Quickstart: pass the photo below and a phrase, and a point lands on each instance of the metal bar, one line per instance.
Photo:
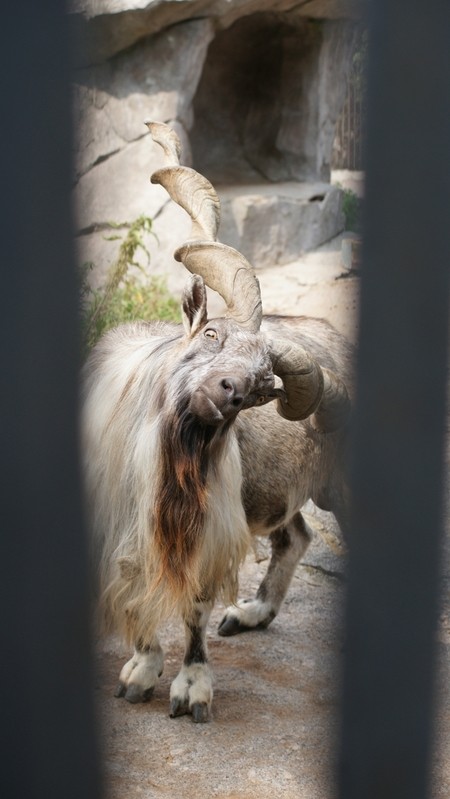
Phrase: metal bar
(397, 468)
(46, 719)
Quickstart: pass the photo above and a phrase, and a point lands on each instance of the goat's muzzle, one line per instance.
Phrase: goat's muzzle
(219, 399)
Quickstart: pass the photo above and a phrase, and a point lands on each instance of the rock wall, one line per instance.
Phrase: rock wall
(253, 87)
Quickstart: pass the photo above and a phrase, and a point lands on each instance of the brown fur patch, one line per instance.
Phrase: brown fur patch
(181, 500)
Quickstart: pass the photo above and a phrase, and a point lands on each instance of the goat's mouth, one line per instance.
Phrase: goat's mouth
(215, 408)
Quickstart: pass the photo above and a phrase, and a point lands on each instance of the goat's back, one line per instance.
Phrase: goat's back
(286, 463)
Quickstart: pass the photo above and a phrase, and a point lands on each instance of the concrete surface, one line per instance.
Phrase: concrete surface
(276, 704)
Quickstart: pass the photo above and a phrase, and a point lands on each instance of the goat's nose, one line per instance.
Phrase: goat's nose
(234, 396)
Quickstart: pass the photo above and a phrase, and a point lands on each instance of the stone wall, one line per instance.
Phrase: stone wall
(254, 89)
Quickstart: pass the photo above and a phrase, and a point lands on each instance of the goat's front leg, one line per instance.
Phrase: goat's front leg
(289, 544)
(191, 691)
(140, 674)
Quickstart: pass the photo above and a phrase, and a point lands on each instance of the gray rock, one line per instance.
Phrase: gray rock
(351, 251)
(107, 27)
(156, 80)
(253, 88)
(275, 223)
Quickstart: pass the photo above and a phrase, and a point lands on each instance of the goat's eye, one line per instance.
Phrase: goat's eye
(210, 333)
(261, 400)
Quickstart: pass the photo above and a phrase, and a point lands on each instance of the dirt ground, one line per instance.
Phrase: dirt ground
(276, 700)
(275, 705)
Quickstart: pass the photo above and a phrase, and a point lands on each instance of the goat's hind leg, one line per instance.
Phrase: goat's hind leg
(191, 691)
(289, 544)
(141, 673)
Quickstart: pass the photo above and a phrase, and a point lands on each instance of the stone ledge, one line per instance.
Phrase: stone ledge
(104, 28)
(275, 223)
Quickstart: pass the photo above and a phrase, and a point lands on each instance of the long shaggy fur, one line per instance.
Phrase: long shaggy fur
(168, 518)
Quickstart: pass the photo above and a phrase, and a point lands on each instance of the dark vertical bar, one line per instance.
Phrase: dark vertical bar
(351, 122)
(348, 144)
(397, 469)
(46, 719)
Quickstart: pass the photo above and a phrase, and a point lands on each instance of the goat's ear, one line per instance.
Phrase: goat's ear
(193, 305)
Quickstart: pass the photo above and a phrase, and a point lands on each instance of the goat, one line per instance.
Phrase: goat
(194, 441)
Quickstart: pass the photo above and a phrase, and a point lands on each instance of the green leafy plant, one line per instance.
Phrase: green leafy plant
(352, 208)
(124, 298)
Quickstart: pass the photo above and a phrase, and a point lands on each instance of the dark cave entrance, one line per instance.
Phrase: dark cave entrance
(262, 100)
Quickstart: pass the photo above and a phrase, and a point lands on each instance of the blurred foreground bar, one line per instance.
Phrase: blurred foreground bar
(46, 722)
(398, 453)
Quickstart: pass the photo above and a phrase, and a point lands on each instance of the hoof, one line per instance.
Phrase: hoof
(191, 692)
(177, 708)
(133, 693)
(230, 625)
(249, 614)
(200, 712)
(139, 675)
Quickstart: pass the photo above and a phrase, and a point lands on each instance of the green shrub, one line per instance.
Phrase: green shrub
(352, 208)
(123, 298)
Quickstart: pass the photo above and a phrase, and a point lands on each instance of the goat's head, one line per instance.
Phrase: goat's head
(235, 364)
(222, 368)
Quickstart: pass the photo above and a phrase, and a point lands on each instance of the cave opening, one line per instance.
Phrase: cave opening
(257, 105)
